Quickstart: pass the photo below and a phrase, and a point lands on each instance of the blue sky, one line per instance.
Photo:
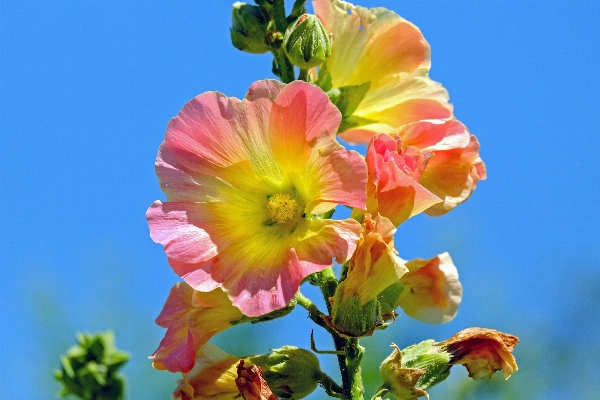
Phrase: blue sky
(86, 91)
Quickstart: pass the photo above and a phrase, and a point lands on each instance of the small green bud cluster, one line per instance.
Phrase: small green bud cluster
(89, 369)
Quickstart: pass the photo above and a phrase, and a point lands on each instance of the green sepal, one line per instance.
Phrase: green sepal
(424, 356)
(388, 300)
(347, 100)
(350, 319)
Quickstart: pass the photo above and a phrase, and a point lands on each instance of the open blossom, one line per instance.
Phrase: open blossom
(432, 291)
(243, 180)
(482, 351)
(379, 48)
(394, 171)
(455, 168)
(191, 319)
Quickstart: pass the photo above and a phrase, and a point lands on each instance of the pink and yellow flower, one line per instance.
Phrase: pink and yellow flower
(379, 47)
(455, 168)
(393, 188)
(244, 181)
(191, 319)
(432, 291)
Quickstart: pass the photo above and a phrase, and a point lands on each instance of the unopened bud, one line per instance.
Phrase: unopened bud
(306, 42)
(249, 28)
(291, 372)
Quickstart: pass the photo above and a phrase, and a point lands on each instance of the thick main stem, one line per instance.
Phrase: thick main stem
(350, 351)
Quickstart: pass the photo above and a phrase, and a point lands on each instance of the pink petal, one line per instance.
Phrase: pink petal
(177, 227)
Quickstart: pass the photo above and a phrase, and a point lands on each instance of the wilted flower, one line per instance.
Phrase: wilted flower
(244, 181)
(251, 384)
(380, 62)
(393, 188)
(482, 351)
(191, 319)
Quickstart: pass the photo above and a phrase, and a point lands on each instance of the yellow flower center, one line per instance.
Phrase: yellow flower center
(281, 208)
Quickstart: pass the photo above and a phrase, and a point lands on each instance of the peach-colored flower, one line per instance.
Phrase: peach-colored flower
(379, 48)
(393, 188)
(213, 376)
(455, 168)
(482, 351)
(374, 266)
(191, 318)
(432, 291)
(244, 180)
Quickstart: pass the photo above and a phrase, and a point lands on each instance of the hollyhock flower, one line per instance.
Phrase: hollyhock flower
(213, 376)
(482, 351)
(191, 319)
(430, 291)
(455, 168)
(244, 181)
(393, 188)
(387, 60)
(374, 266)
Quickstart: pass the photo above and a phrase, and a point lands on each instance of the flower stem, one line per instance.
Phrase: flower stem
(349, 352)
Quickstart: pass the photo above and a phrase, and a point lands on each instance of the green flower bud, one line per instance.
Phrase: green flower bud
(291, 372)
(350, 319)
(249, 28)
(306, 42)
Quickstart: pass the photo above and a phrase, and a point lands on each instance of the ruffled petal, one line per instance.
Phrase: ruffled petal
(191, 319)
(393, 189)
(432, 291)
(364, 38)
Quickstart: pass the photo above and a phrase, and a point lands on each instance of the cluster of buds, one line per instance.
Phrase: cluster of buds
(89, 370)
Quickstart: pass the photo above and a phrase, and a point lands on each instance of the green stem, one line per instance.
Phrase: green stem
(350, 353)
(303, 75)
(284, 68)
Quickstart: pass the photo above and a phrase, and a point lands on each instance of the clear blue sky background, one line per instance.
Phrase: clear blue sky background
(86, 91)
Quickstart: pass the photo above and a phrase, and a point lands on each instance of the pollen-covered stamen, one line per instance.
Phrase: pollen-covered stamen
(281, 208)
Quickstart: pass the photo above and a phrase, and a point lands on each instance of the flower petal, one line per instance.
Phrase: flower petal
(191, 319)
(432, 291)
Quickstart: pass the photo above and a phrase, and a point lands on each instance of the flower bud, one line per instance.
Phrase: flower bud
(408, 373)
(291, 372)
(306, 42)
(249, 28)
